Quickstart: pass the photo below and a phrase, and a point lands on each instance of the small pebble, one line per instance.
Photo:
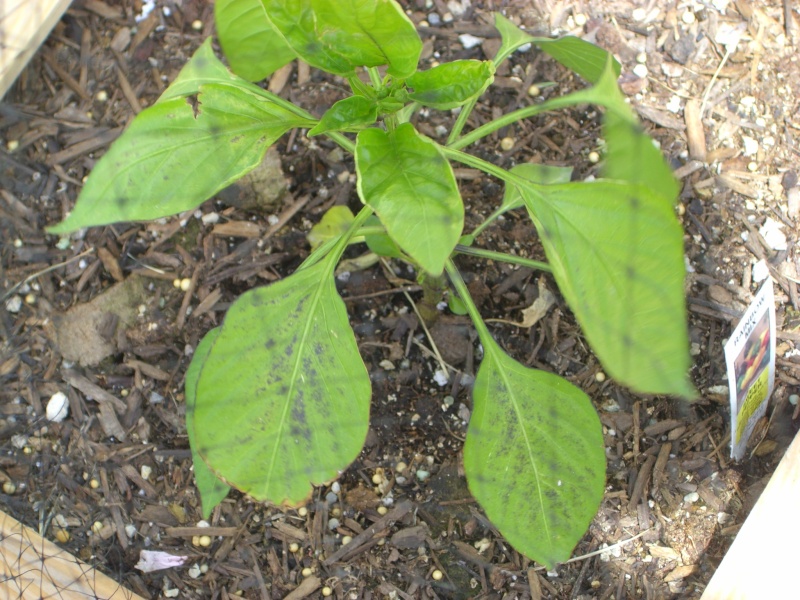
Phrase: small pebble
(580, 19)
(507, 143)
(101, 96)
(469, 41)
(600, 377)
(534, 90)
(691, 497)
(14, 304)
(752, 166)
(197, 25)
(346, 540)
(793, 399)
(94, 484)
(641, 58)
(12, 145)
(593, 157)
(640, 71)
(688, 17)
(639, 14)
(57, 407)
(400, 467)
(97, 527)
(434, 19)
(333, 523)
(302, 511)
(422, 475)
(62, 535)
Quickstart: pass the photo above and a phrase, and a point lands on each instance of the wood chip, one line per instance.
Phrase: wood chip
(695, 133)
(244, 229)
(308, 586)
(664, 552)
(110, 263)
(679, 573)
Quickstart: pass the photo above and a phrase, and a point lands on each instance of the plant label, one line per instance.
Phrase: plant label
(750, 358)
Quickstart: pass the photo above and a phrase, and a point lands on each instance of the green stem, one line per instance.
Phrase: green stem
(337, 245)
(461, 120)
(463, 293)
(375, 78)
(503, 257)
(512, 117)
(339, 138)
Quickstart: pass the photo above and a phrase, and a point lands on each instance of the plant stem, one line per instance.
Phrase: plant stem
(463, 293)
(503, 257)
(512, 117)
(461, 120)
(375, 78)
(337, 245)
(433, 287)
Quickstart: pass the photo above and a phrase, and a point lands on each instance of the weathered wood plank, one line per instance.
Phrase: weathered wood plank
(24, 25)
(762, 562)
(32, 568)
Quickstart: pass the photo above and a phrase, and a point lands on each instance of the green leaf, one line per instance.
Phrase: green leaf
(283, 397)
(351, 114)
(405, 179)
(534, 456)
(616, 250)
(335, 221)
(212, 490)
(586, 59)
(512, 38)
(535, 173)
(380, 243)
(339, 35)
(204, 68)
(170, 159)
(251, 46)
(451, 84)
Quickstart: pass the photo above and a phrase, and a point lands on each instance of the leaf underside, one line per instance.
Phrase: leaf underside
(283, 397)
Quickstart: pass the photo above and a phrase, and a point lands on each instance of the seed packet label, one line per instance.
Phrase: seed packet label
(750, 357)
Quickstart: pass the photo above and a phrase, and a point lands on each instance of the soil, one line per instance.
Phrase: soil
(99, 319)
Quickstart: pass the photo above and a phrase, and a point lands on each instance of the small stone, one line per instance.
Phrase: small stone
(434, 19)
(346, 540)
(534, 90)
(580, 19)
(593, 157)
(794, 399)
(691, 497)
(333, 523)
(600, 377)
(302, 511)
(640, 71)
(197, 25)
(470, 41)
(94, 484)
(12, 145)
(639, 14)
(422, 475)
(641, 58)
(400, 467)
(57, 407)
(386, 365)
(688, 17)
(97, 527)
(752, 166)
(101, 96)
(507, 143)
(14, 304)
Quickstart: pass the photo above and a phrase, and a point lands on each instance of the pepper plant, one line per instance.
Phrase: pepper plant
(278, 398)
